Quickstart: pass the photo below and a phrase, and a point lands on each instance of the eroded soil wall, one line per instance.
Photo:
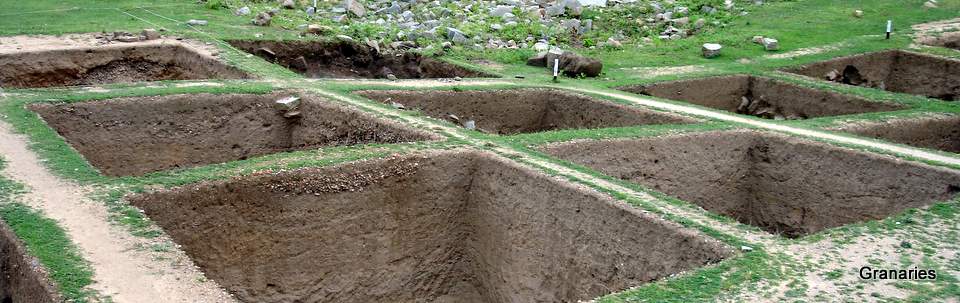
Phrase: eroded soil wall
(761, 97)
(350, 60)
(438, 227)
(105, 65)
(784, 185)
(132, 136)
(941, 132)
(896, 71)
(22, 279)
(524, 110)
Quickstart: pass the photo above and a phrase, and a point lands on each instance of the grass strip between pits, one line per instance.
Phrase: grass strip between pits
(48, 242)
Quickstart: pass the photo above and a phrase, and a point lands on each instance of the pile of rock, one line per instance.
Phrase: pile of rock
(761, 108)
(439, 21)
(570, 63)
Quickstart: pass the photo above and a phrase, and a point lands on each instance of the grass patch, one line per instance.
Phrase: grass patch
(48, 242)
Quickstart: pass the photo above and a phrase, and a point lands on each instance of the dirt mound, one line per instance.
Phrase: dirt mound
(523, 110)
(104, 65)
(761, 97)
(133, 136)
(894, 70)
(350, 60)
(22, 279)
(781, 184)
(941, 132)
(439, 227)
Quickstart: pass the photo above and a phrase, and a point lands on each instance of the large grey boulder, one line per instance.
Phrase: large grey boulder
(355, 7)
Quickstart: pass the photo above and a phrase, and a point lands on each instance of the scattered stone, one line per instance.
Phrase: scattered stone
(391, 77)
(711, 50)
(744, 104)
(317, 29)
(858, 13)
(832, 75)
(771, 44)
(614, 43)
(555, 10)
(355, 7)
(470, 124)
(288, 104)
(150, 34)
(930, 4)
(571, 25)
(196, 22)
(243, 11)
(397, 105)
(125, 37)
(453, 118)
(700, 23)
(500, 10)
(456, 36)
(681, 21)
(288, 4)
(345, 38)
(597, 3)
(300, 63)
(746, 248)
(373, 44)
(757, 39)
(262, 19)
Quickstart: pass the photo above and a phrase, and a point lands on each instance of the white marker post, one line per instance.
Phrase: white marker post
(556, 69)
(889, 28)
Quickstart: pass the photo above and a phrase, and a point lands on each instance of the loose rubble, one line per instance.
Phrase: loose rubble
(484, 24)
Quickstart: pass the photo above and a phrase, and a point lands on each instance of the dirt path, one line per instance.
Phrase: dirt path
(120, 269)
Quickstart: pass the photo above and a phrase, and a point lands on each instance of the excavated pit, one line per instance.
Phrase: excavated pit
(946, 39)
(939, 132)
(782, 184)
(22, 279)
(454, 226)
(761, 97)
(894, 70)
(517, 111)
(134, 136)
(110, 64)
(350, 60)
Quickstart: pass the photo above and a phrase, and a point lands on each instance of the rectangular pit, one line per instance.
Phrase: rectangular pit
(134, 136)
(760, 97)
(517, 111)
(938, 132)
(893, 70)
(22, 279)
(110, 64)
(782, 184)
(449, 226)
(315, 59)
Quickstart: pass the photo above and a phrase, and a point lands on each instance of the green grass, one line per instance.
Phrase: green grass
(48, 242)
